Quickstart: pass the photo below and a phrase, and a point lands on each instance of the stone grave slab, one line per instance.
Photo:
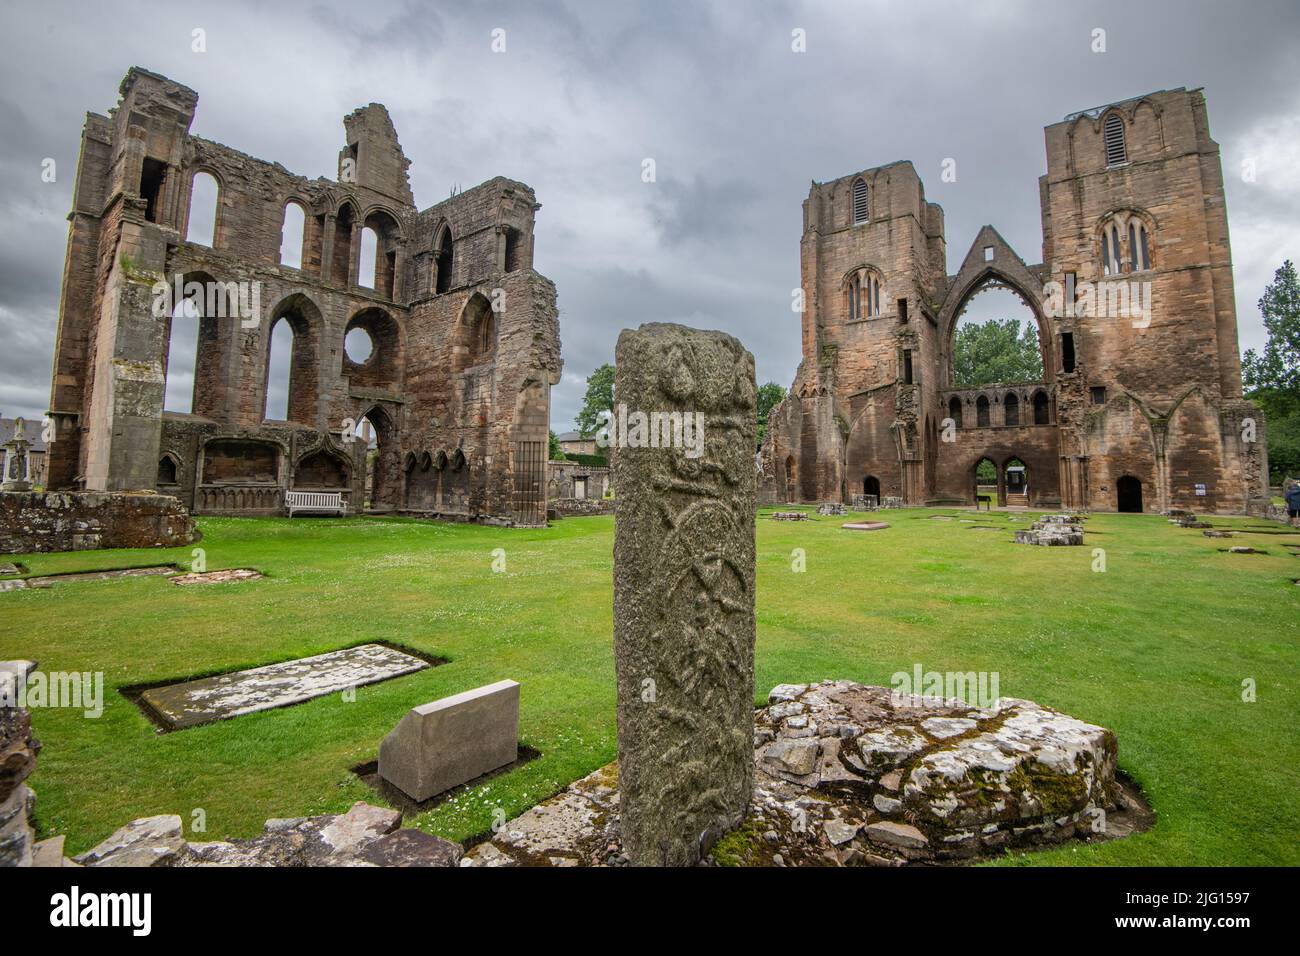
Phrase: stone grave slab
(202, 701)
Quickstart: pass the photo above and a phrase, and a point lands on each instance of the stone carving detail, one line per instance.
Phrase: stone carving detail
(684, 595)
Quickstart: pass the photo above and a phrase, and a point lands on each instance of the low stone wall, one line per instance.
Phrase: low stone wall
(80, 521)
(574, 507)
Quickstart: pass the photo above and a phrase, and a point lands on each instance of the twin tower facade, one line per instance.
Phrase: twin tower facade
(1140, 405)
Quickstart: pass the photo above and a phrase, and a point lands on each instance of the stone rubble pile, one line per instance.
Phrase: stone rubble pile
(831, 508)
(847, 774)
(1052, 530)
(363, 836)
(789, 516)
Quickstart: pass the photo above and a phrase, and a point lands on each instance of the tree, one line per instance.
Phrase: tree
(555, 452)
(769, 396)
(599, 398)
(998, 350)
(1272, 377)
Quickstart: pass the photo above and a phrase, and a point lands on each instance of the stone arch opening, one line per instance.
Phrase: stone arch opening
(443, 263)
(381, 366)
(1042, 408)
(291, 382)
(1011, 409)
(954, 411)
(168, 470)
(322, 470)
(196, 346)
(982, 419)
(1015, 483)
(871, 488)
(1003, 299)
(1128, 495)
(378, 267)
(341, 267)
(293, 231)
(986, 481)
(205, 203)
(382, 487)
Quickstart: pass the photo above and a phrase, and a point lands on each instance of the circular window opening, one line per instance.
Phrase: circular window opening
(358, 346)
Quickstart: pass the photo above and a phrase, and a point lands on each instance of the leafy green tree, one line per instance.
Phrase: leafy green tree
(599, 398)
(998, 350)
(769, 396)
(1272, 377)
(556, 453)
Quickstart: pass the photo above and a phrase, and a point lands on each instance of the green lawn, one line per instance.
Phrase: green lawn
(1156, 647)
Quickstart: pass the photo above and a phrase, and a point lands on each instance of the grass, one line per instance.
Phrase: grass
(1157, 648)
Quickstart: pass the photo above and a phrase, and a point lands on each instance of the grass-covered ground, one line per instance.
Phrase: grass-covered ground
(1156, 647)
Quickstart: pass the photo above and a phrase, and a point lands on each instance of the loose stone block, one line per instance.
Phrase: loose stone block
(684, 595)
(451, 741)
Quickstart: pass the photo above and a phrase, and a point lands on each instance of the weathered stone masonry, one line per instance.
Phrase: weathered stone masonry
(465, 333)
(1129, 416)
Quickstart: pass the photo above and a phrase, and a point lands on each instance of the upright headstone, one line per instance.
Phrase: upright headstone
(684, 433)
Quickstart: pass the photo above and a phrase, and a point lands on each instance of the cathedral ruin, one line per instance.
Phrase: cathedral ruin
(447, 415)
(1140, 405)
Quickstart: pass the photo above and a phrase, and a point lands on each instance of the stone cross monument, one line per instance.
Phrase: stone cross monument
(683, 436)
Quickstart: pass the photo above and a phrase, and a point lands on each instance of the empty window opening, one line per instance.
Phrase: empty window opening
(167, 470)
(1098, 393)
(907, 366)
(860, 208)
(954, 410)
(902, 310)
(182, 358)
(982, 412)
(988, 253)
(153, 172)
(342, 246)
(995, 340)
(358, 345)
(1067, 351)
(369, 253)
(1113, 134)
(1042, 408)
(291, 235)
(512, 253)
(279, 368)
(443, 263)
(1011, 409)
(204, 194)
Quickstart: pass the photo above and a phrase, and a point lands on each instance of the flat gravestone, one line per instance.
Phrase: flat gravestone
(447, 742)
(684, 592)
(276, 685)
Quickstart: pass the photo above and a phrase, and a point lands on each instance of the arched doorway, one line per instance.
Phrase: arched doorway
(382, 485)
(871, 487)
(1016, 483)
(1128, 492)
(986, 482)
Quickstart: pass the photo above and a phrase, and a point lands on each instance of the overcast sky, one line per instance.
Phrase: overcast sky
(736, 121)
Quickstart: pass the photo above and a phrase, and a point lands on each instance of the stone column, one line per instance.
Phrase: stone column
(683, 590)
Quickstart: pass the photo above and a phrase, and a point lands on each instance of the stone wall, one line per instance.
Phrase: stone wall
(465, 334)
(65, 521)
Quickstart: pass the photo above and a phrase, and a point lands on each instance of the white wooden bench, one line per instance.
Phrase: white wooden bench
(317, 502)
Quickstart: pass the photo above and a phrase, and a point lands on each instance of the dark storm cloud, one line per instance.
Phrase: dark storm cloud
(736, 122)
